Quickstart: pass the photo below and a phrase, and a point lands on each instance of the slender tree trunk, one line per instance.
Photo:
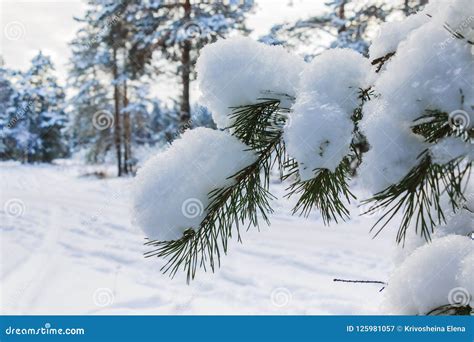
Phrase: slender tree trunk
(186, 70)
(117, 123)
(127, 133)
(342, 15)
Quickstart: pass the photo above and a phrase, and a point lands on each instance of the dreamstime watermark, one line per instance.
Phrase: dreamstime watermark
(103, 297)
(459, 120)
(192, 208)
(182, 128)
(14, 207)
(191, 30)
(14, 30)
(368, 210)
(460, 203)
(109, 22)
(46, 330)
(459, 296)
(102, 119)
(100, 210)
(458, 32)
(281, 297)
(20, 114)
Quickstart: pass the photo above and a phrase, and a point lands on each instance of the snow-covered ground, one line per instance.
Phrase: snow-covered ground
(68, 247)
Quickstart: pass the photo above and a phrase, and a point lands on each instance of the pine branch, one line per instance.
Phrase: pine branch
(418, 193)
(259, 126)
(451, 310)
(325, 191)
(360, 281)
(328, 191)
(262, 123)
(382, 60)
(435, 125)
(359, 144)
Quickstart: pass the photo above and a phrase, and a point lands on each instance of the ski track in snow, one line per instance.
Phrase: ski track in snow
(74, 251)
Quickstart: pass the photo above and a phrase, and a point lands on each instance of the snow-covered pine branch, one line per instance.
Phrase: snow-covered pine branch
(412, 108)
(424, 101)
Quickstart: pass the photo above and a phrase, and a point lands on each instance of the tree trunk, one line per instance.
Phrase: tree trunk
(186, 71)
(127, 133)
(342, 15)
(117, 123)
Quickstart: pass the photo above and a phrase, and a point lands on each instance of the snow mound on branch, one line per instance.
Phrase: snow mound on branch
(429, 71)
(238, 71)
(451, 148)
(466, 276)
(429, 277)
(469, 195)
(320, 128)
(335, 77)
(319, 136)
(394, 149)
(171, 189)
(392, 33)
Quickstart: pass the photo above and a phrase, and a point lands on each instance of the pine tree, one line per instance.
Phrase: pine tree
(91, 105)
(179, 29)
(37, 117)
(6, 93)
(347, 24)
(102, 45)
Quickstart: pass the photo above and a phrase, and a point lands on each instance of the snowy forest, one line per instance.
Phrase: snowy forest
(319, 167)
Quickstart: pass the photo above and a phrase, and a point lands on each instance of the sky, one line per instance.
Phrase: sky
(31, 25)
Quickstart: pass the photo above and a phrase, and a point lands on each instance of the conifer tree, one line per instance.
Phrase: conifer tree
(102, 46)
(6, 93)
(179, 29)
(346, 24)
(37, 117)
(91, 104)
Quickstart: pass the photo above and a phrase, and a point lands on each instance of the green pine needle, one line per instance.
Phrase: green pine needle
(326, 191)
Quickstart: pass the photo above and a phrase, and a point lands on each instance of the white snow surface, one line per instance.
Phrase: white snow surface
(390, 34)
(466, 277)
(429, 277)
(70, 248)
(334, 77)
(238, 71)
(171, 189)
